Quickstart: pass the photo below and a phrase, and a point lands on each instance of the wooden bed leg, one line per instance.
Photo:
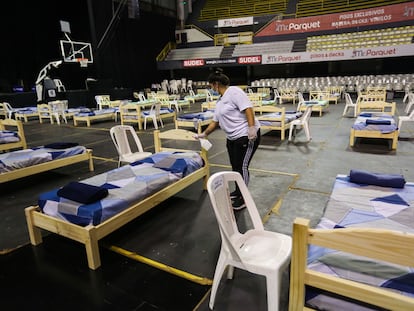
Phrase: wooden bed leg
(298, 264)
(91, 167)
(92, 251)
(34, 232)
(351, 138)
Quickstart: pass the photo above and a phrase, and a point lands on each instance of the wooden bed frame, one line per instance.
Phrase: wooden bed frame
(13, 125)
(388, 108)
(89, 119)
(386, 245)
(90, 235)
(47, 166)
(190, 123)
(131, 113)
(282, 119)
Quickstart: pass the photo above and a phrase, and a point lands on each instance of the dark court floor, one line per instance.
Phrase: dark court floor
(165, 259)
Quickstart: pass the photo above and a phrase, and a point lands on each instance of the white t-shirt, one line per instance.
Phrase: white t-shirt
(229, 113)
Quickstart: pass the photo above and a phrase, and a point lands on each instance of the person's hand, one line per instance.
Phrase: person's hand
(198, 136)
(252, 133)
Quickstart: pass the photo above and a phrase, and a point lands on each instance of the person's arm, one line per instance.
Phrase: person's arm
(210, 128)
(251, 132)
(249, 116)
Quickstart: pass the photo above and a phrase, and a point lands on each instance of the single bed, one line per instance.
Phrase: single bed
(375, 125)
(276, 118)
(131, 204)
(195, 120)
(11, 135)
(21, 163)
(362, 248)
(26, 113)
(318, 105)
(96, 115)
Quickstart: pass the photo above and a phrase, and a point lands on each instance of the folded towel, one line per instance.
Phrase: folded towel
(365, 114)
(378, 121)
(383, 180)
(61, 145)
(82, 193)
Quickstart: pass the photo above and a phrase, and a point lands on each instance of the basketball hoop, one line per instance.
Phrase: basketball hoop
(83, 62)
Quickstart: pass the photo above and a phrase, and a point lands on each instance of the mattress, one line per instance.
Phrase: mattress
(27, 157)
(363, 205)
(126, 185)
(289, 117)
(8, 137)
(380, 122)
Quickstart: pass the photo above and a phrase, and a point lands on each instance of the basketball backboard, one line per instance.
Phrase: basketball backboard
(75, 51)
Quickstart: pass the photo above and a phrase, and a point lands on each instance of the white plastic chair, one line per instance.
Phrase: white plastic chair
(256, 250)
(303, 121)
(6, 110)
(121, 136)
(154, 114)
(401, 119)
(103, 101)
(410, 102)
(277, 97)
(59, 85)
(349, 104)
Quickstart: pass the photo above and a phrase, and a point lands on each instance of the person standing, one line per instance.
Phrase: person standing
(235, 116)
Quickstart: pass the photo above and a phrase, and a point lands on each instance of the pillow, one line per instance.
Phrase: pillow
(383, 180)
(377, 121)
(82, 193)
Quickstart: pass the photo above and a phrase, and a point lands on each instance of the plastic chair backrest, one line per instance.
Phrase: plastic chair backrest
(219, 192)
(254, 249)
(306, 115)
(121, 136)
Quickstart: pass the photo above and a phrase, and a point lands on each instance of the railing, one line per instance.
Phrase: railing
(163, 54)
(234, 38)
(306, 8)
(214, 10)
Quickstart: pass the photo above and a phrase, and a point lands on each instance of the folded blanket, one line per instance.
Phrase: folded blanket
(383, 180)
(82, 193)
(61, 145)
(377, 121)
(365, 114)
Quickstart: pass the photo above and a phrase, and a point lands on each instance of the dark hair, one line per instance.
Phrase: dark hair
(218, 76)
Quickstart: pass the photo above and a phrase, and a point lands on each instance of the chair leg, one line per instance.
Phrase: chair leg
(307, 132)
(290, 132)
(162, 123)
(218, 274)
(154, 120)
(145, 123)
(273, 292)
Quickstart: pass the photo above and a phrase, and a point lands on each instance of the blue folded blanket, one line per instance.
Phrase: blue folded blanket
(61, 145)
(82, 193)
(383, 180)
(378, 121)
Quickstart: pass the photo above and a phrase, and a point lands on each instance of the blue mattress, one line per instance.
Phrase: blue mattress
(371, 206)
(8, 137)
(289, 117)
(126, 186)
(27, 157)
(383, 123)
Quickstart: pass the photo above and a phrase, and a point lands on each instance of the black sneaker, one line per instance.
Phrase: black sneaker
(238, 204)
(233, 194)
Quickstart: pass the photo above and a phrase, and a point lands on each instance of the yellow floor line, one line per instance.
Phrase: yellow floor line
(257, 170)
(161, 266)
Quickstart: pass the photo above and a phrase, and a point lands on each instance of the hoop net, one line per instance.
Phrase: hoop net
(83, 62)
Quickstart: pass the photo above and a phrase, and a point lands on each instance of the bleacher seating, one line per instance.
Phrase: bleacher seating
(370, 38)
(391, 82)
(263, 48)
(222, 9)
(305, 8)
(194, 53)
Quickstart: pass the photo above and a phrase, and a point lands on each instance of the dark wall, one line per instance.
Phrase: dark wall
(30, 33)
